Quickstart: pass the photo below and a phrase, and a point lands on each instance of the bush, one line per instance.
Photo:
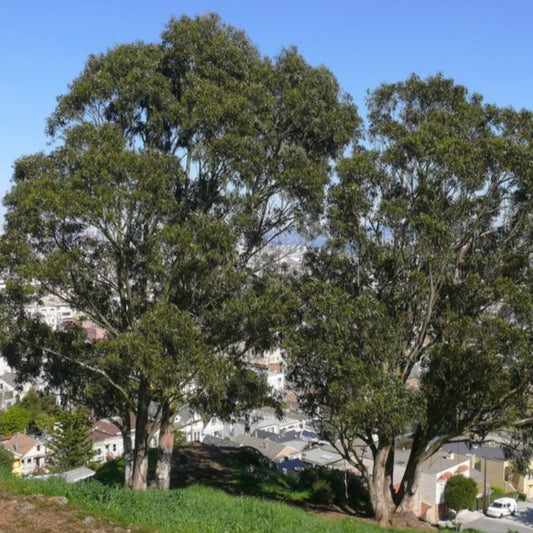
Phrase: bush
(6, 459)
(496, 492)
(15, 419)
(322, 492)
(460, 493)
(347, 488)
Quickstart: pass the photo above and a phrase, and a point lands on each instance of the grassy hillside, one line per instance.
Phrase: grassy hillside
(192, 509)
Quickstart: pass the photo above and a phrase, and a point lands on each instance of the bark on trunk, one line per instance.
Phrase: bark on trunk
(379, 487)
(140, 463)
(140, 470)
(125, 429)
(409, 483)
(166, 446)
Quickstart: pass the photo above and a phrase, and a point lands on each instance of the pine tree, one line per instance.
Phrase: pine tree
(70, 441)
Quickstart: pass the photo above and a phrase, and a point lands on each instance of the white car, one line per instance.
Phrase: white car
(502, 507)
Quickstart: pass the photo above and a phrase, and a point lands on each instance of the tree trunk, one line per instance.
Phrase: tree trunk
(125, 429)
(140, 463)
(166, 446)
(409, 483)
(379, 487)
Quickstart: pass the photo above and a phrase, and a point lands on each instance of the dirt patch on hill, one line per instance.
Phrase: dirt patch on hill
(39, 514)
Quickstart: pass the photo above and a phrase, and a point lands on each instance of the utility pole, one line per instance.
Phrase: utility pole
(485, 485)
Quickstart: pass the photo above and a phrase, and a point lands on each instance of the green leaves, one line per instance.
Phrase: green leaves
(69, 442)
(417, 310)
(173, 165)
(15, 420)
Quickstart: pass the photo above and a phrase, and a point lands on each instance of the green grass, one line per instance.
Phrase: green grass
(192, 509)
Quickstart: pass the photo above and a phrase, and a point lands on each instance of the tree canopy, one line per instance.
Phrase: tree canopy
(417, 312)
(173, 165)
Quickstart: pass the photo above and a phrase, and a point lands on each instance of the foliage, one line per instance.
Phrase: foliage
(322, 492)
(6, 459)
(15, 419)
(173, 166)
(346, 488)
(42, 407)
(496, 492)
(196, 508)
(425, 278)
(69, 441)
(43, 422)
(460, 493)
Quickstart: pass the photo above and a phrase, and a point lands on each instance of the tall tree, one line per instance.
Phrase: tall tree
(69, 441)
(426, 273)
(174, 164)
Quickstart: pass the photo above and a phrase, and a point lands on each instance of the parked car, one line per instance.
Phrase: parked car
(502, 507)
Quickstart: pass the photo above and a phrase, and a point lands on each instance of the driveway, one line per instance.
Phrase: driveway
(522, 521)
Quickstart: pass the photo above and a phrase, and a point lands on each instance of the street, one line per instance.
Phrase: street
(522, 521)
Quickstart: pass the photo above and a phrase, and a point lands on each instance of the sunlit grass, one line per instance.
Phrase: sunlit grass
(192, 509)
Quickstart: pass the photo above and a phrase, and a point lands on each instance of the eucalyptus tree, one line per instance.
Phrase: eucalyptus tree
(172, 165)
(417, 313)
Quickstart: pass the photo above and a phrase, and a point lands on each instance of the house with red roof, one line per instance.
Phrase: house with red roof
(107, 441)
(434, 474)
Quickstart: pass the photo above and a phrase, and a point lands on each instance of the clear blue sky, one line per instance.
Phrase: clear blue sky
(486, 45)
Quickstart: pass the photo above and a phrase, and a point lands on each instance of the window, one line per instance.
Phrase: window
(114, 447)
(38, 447)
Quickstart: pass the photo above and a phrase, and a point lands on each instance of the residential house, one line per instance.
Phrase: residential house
(4, 365)
(108, 443)
(266, 419)
(52, 310)
(488, 464)
(93, 331)
(277, 452)
(267, 361)
(10, 391)
(325, 456)
(194, 428)
(524, 484)
(434, 473)
(29, 453)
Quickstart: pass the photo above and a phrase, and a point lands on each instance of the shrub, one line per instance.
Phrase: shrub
(6, 459)
(322, 492)
(15, 419)
(497, 492)
(348, 489)
(460, 493)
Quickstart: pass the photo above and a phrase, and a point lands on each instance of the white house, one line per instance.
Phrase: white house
(194, 428)
(107, 441)
(29, 453)
(52, 309)
(10, 392)
(434, 474)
